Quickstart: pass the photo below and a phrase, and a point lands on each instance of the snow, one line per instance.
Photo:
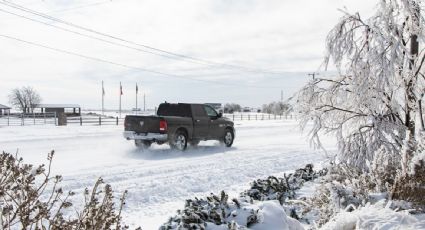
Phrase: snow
(377, 216)
(275, 218)
(159, 180)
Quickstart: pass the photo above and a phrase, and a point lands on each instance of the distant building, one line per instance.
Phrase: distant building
(246, 109)
(4, 110)
(68, 109)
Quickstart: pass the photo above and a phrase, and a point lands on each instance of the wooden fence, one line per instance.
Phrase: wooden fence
(99, 120)
(20, 119)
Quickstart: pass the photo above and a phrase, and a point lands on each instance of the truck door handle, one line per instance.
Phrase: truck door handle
(198, 120)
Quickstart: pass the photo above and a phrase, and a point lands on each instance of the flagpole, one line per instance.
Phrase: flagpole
(120, 97)
(137, 90)
(103, 99)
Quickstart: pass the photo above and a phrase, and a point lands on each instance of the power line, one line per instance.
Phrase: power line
(181, 56)
(125, 65)
(84, 35)
(106, 41)
(81, 6)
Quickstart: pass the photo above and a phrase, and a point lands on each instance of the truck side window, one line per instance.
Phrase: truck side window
(210, 111)
(198, 111)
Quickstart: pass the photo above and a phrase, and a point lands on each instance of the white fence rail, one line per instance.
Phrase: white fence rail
(20, 119)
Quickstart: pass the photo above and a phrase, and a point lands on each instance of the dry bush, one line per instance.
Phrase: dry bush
(341, 189)
(411, 187)
(30, 198)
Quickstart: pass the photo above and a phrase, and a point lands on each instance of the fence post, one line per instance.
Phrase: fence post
(241, 117)
(33, 116)
(100, 120)
(8, 117)
(81, 121)
(56, 119)
(269, 116)
(256, 117)
(233, 117)
(44, 115)
(23, 120)
(262, 116)
(275, 116)
(249, 118)
(117, 120)
(280, 117)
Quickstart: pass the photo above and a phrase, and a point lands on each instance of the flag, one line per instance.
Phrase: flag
(120, 89)
(137, 89)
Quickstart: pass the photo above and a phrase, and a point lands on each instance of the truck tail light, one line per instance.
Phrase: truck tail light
(163, 126)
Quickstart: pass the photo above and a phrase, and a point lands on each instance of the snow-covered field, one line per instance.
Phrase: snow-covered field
(159, 180)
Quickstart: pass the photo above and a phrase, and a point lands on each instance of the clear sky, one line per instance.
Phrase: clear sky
(250, 50)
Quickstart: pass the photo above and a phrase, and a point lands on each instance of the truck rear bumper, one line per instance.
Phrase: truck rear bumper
(131, 135)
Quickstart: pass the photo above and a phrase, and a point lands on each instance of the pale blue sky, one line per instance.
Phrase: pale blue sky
(281, 36)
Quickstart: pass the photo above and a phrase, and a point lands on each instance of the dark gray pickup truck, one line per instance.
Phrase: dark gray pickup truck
(179, 124)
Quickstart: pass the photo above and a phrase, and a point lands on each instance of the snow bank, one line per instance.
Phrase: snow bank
(273, 217)
(377, 216)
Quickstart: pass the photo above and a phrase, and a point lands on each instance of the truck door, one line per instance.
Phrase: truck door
(200, 122)
(215, 130)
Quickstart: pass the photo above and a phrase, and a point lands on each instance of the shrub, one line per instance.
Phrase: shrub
(30, 198)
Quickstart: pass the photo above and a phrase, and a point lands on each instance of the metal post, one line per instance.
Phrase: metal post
(23, 120)
(241, 117)
(117, 120)
(249, 118)
(44, 115)
(33, 116)
(56, 119)
(81, 121)
(275, 116)
(233, 117)
(269, 116)
(100, 121)
(8, 117)
(256, 116)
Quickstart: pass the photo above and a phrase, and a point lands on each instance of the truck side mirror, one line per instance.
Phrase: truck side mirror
(220, 114)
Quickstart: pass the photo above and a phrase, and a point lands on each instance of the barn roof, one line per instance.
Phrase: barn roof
(4, 107)
(56, 106)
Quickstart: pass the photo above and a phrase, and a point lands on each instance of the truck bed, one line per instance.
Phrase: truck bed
(142, 124)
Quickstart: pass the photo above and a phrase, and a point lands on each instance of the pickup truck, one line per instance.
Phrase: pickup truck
(178, 125)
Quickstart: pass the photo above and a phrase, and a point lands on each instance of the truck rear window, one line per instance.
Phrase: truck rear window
(178, 110)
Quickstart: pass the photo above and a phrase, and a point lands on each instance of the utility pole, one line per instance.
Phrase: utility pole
(313, 75)
(120, 98)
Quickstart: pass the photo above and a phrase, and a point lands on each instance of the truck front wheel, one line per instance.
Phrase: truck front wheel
(180, 141)
(228, 137)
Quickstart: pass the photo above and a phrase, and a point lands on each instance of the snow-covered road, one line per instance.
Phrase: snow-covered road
(159, 180)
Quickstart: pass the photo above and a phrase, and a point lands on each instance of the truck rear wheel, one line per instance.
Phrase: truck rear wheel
(180, 141)
(228, 138)
(142, 144)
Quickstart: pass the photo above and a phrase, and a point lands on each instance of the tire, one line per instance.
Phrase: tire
(142, 144)
(194, 142)
(228, 138)
(179, 141)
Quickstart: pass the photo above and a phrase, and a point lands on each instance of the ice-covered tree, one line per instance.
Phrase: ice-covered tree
(373, 103)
